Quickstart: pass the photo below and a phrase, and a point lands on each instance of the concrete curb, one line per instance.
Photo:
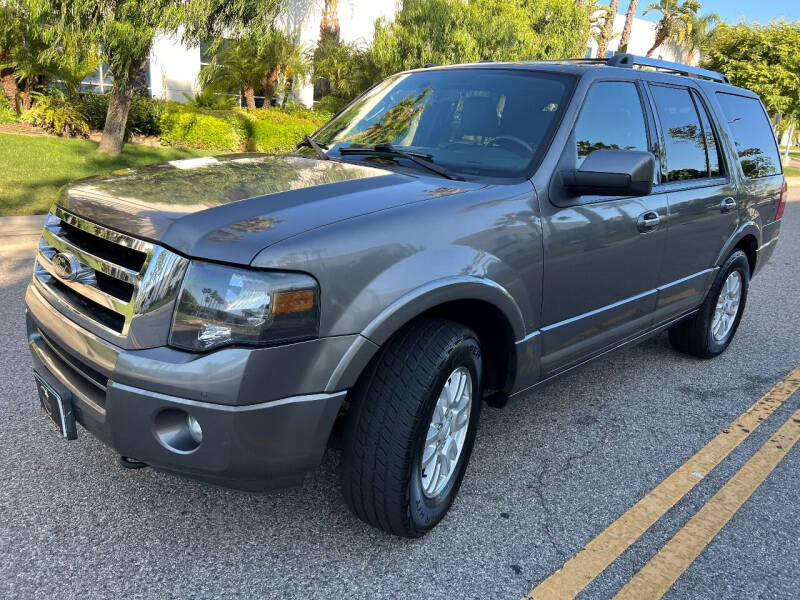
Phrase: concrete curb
(25, 225)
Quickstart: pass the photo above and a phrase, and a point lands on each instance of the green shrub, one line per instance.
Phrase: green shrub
(7, 114)
(144, 117)
(57, 114)
(329, 105)
(187, 126)
(259, 130)
(208, 98)
(276, 130)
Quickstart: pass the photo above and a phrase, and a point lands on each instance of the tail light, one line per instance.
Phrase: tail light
(782, 201)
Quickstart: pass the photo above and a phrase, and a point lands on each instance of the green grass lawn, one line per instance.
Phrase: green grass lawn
(33, 169)
(791, 171)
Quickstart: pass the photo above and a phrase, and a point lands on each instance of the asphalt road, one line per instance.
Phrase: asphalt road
(547, 475)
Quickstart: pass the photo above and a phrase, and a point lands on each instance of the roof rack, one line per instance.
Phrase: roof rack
(631, 60)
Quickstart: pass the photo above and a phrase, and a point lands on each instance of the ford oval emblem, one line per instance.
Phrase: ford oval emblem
(66, 266)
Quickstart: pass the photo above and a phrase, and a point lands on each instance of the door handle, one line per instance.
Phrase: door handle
(727, 205)
(648, 221)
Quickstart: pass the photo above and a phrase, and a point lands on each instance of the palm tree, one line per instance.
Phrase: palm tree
(329, 24)
(674, 22)
(235, 66)
(700, 34)
(606, 30)
(284, 57)
(626, 31)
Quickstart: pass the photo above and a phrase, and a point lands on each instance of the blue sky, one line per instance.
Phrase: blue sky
(732, 11)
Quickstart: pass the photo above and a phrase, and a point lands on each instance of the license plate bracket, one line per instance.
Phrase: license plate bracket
(57, 407)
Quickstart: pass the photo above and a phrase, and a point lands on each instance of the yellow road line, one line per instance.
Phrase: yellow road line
(581, 569)
(658, 575)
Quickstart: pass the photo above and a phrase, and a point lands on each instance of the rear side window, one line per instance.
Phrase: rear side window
(611, 119)
(683, 133)
(752, 134)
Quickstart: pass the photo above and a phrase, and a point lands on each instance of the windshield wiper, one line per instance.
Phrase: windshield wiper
(318, 148)
(423, 160)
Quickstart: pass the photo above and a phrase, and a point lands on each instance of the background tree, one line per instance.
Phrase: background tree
(626, 30)
(603, 26)
(765, 59)
(699, 35)
(234, 66)
(38, 45)
(283, 58)
(451, 31)
(674, 22)
(125, 29)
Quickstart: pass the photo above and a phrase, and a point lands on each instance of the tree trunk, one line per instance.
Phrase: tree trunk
(329, 24)
(660, 38)
(607, 30)
(789, 135)
(626, 31)
(27, 99)
(270, 83)
(119, 103)
(10, 87)
(249, 95)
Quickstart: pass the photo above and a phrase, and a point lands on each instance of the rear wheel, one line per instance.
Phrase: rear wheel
(411, 427)
(710, 331)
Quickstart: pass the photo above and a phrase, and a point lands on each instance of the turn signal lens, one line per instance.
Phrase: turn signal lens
(293, 302)
(782, 201)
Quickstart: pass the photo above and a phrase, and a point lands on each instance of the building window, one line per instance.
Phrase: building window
(99, 81)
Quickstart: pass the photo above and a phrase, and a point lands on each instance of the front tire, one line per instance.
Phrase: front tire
(411, 427)
(710, 331)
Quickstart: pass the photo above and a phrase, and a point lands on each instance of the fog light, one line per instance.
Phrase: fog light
(177, 431)
(194, 429)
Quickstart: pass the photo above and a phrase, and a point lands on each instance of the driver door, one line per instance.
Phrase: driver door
(602, 255)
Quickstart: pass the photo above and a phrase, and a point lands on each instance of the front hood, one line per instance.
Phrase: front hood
(230, 208)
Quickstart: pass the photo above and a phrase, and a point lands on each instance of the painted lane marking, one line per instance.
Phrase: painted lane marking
(658, 575)
(585, 566)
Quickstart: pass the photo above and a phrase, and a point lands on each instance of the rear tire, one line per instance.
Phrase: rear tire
(392, 425)
(702, 335)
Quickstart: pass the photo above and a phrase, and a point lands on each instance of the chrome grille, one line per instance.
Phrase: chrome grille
(123, 286)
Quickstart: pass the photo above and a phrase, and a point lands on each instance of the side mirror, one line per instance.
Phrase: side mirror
(612, 173)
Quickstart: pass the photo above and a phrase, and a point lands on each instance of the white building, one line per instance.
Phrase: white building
(174, 67)
(643, 35)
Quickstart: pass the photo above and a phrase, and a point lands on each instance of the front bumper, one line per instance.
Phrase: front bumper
(251, 439)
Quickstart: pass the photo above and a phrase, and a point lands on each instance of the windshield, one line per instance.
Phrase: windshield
(483, 122)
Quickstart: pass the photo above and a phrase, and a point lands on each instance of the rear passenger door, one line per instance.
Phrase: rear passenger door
(701, 193)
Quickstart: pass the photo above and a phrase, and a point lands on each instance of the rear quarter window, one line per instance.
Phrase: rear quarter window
(752, 134)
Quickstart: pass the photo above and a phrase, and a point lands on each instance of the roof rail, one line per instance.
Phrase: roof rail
(630, 60)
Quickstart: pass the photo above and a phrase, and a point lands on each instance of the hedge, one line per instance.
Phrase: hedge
(261, 130)
(144, 116)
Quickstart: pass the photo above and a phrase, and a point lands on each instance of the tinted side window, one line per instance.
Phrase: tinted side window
(712, 146)
(685, 141)
(752, 134)
(611, 119)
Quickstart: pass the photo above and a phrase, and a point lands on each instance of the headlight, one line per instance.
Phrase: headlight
(221, 305)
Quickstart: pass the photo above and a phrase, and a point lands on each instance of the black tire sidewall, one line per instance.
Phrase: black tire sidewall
(736, 262)
(426, 512)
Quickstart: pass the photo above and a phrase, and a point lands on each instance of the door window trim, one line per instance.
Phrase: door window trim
(648, 128)
(687, 184)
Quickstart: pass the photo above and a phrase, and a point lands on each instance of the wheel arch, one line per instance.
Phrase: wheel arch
(480, 304)
(747, 239)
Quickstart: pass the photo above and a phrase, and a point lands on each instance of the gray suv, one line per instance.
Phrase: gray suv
(455, 235)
